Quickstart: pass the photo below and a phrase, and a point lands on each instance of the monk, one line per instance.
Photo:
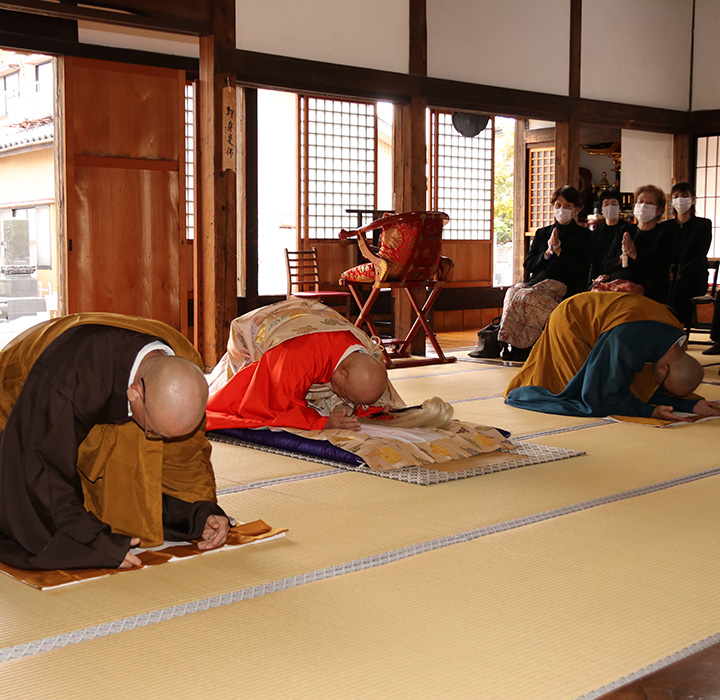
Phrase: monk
(297, 364)
(610, 353)
(102, 445)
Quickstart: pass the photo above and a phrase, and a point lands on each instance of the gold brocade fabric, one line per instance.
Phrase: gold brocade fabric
(123, 475)
(383, 447)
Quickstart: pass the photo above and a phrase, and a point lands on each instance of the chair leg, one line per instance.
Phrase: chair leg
(421, 320)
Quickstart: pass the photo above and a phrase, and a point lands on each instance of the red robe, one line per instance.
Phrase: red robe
(271, 391)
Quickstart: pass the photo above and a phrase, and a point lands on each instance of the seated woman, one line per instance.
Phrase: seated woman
(638, 254)
(688, 237)
(558, 266)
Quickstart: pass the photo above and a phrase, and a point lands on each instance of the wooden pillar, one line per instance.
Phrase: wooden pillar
(216, 246)
(519, 200)
(681, 158)
(410, 158)
(248, 204)
(567, 152)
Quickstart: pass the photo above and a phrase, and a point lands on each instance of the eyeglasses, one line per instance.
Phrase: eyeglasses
(662, 388)
(149, 434)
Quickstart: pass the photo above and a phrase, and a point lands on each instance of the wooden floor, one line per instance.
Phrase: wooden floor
(694, 678)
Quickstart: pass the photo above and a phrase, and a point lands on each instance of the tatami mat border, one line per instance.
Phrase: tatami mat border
(136, 621)
(278, 480)
(567, 429)
(478, 398)
(395, 379)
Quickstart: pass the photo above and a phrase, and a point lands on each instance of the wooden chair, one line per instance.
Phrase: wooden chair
(303, 275)
(693, 323)
(409, 259)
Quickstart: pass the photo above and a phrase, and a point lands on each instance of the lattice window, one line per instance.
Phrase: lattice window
(707, 179)
(461, 178)
(541, 185)
(190, 160)
(338, 163)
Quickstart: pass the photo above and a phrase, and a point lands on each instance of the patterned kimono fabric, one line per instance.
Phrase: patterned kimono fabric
(526, 309)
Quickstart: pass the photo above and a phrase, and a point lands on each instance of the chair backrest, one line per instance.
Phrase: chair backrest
(303, 272)
(412, 243)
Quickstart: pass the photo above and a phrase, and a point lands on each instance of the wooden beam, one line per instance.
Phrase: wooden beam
(705, 122)
(216, 248)
(184, 16)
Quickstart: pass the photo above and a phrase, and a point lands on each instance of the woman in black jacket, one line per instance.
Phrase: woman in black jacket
(557, 266)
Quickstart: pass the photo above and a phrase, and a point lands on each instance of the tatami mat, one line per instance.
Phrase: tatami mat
(549, 611)
(561, 590)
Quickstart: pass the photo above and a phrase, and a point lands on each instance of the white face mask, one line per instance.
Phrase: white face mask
(682, 204)
(611, 211)
(645, 213)
(563, 216)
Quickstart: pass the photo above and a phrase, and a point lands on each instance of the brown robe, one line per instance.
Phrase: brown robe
(77, 475)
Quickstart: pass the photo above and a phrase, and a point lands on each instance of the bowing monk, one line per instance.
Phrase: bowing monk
(297, 364)
(102, 445)
(610, 353)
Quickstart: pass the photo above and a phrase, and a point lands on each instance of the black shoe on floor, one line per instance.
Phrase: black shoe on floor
(713, 349)
(512, 354)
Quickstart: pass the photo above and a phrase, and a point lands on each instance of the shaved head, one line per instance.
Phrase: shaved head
(684, 375)
(359, 379)
(175, 395)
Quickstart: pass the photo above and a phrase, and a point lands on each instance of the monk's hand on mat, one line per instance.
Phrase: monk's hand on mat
(130, 559)
(668, 413)
(707, 408)
(340, 420)
(215, 532)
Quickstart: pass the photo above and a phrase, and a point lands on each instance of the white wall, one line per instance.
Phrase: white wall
(365, 33)
(521, 44)
(637, 51)
(646, 160)
(706, 79)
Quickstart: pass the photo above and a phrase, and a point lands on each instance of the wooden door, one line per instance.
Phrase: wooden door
(124, 189)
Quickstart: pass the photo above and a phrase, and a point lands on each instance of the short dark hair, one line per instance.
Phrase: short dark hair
(570, 194)
(682, 187)
(610, 194)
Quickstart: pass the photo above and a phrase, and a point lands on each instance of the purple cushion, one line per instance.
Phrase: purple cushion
(291, 443)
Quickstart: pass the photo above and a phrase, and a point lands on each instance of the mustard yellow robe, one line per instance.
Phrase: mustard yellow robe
(123, 475)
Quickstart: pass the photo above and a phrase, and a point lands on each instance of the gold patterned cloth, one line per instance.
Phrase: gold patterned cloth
(383, 447)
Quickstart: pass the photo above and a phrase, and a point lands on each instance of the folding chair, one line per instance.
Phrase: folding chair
(303, 274)
(693, 323)
(409, 259)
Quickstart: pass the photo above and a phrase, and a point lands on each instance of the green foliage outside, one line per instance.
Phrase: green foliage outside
(504, 169)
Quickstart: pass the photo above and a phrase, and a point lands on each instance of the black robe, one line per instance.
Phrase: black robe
(78, 381)
(689, 243)
(572, 266)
